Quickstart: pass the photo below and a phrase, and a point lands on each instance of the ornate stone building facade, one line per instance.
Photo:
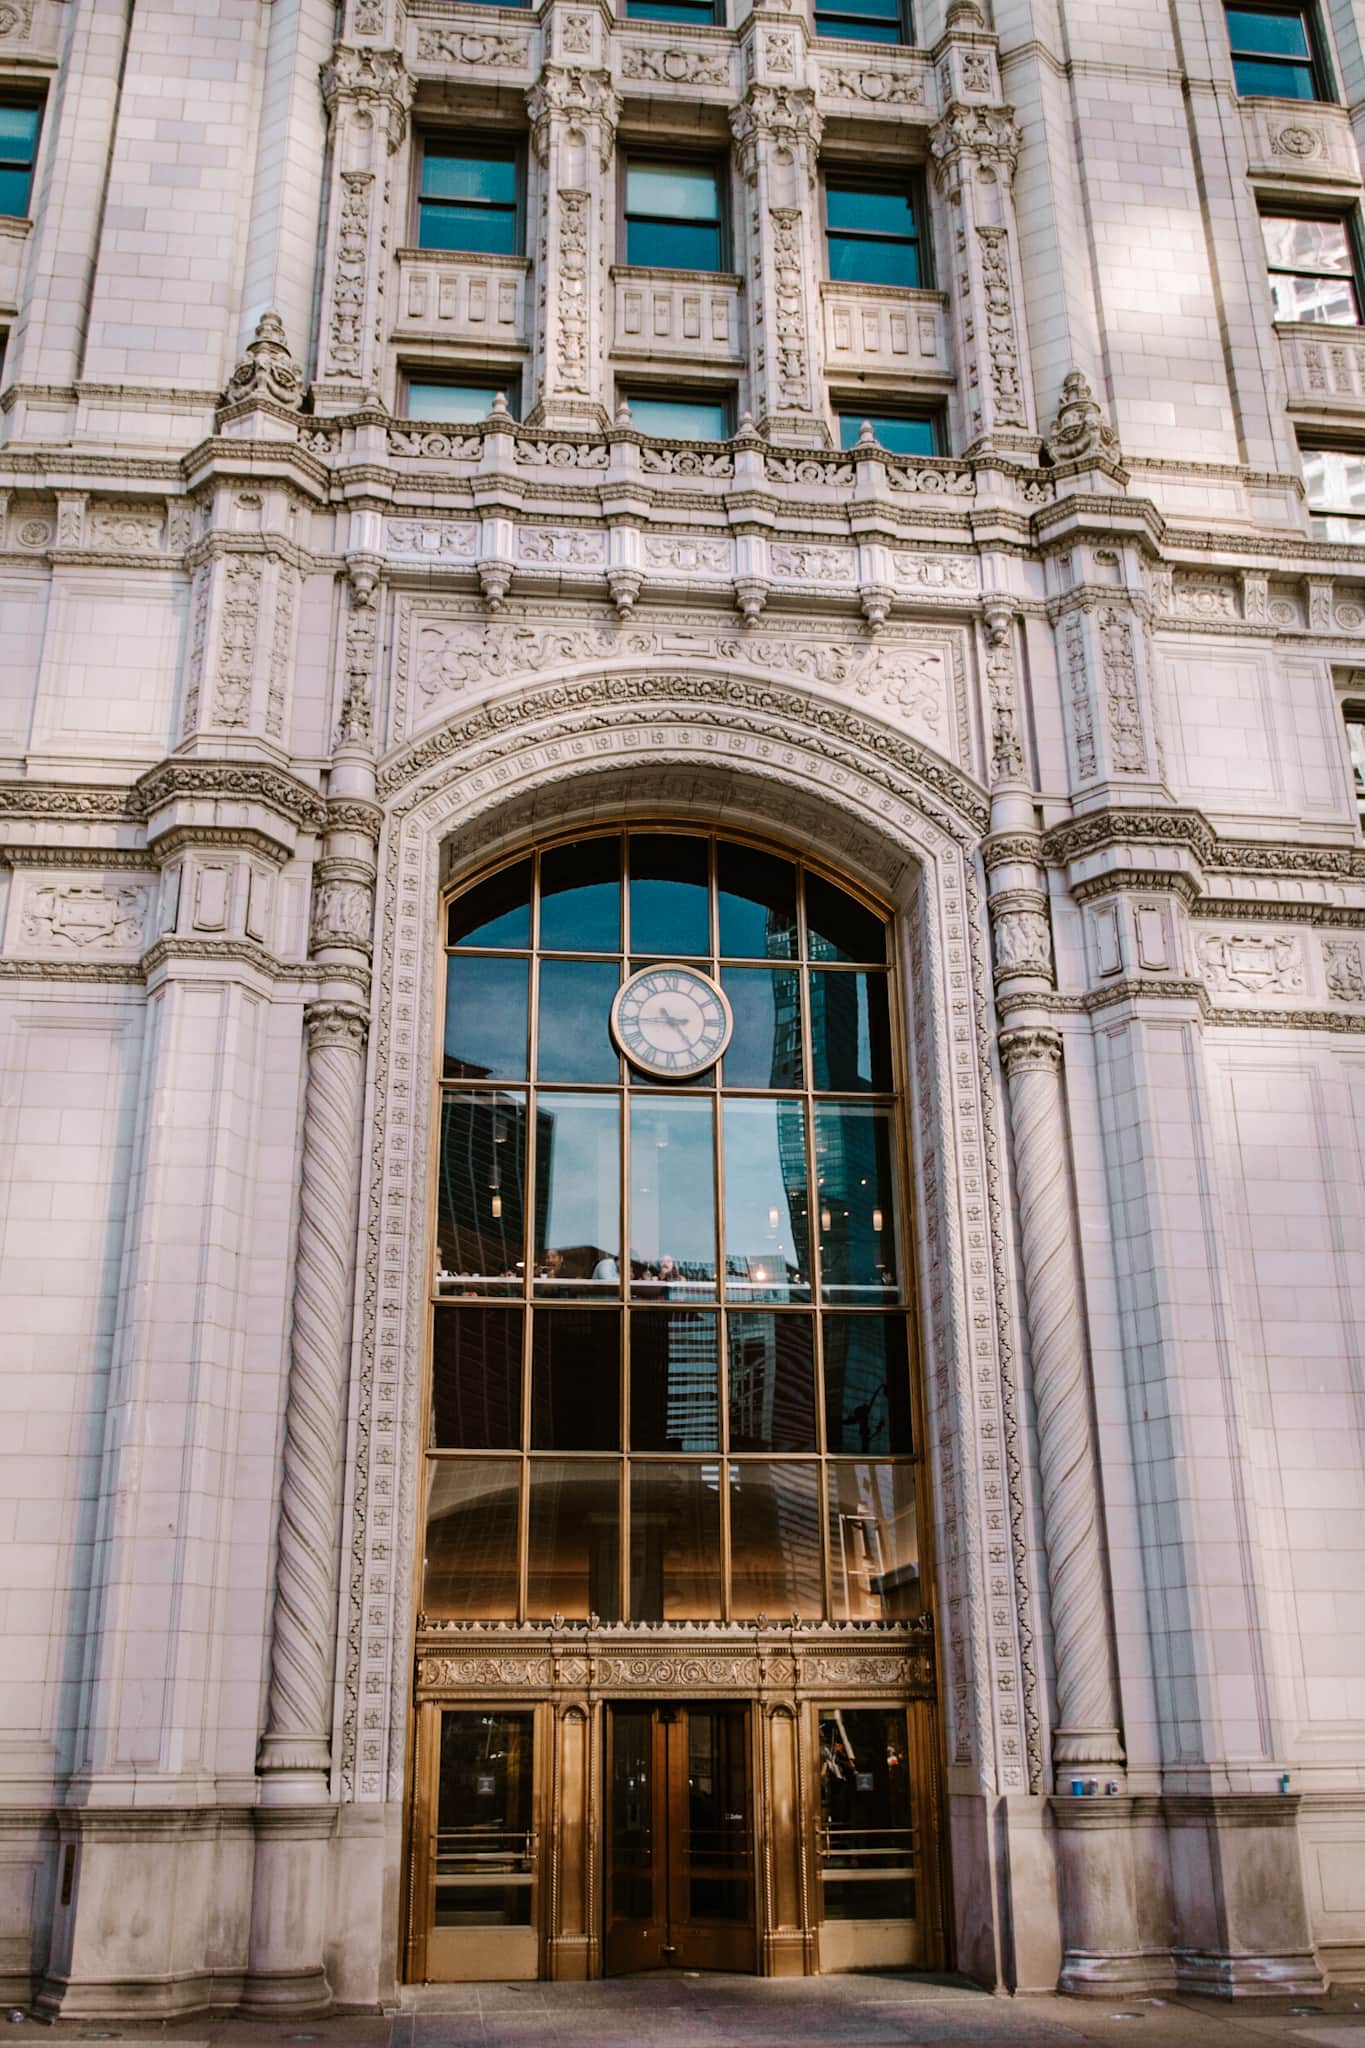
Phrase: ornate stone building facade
(433, 434)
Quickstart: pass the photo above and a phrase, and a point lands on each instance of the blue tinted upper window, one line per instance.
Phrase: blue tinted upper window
(1272, 53)
(18, 147)
(468, 200)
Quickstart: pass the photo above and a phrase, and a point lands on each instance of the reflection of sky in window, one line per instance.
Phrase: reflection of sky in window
(755, 1185)
(578, 1137)
(672, 1189)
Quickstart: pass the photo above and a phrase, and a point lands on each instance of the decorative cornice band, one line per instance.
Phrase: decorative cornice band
(1192, 830)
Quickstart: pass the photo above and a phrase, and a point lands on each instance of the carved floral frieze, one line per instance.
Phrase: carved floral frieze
(432, 540)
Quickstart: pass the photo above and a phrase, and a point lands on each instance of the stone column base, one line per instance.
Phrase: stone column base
(1102, 1950)
(286, 1974)
(1237, 1890)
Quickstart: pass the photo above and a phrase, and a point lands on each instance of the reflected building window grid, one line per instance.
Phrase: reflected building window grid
(751, 1274)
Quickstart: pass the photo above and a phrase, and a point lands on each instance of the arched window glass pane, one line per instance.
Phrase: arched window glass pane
(573, 1564)
(675, 1555)
(775, 1562)
(756, 893)
(669, 896)
(674, 1381)
(494, 913)
(867, 1384)
(856, 1206)
(672, 1198)
(476, 1380)
(765, 1047)
(578, 1194)
(839, 927)
(850, 1031)
(772, 1382)
(471, 1545)
(575, 1004)
(481, 1193)
(575, 1380)
(580, 897)
(486, 1014)
(767, 1227)
(873, 1542)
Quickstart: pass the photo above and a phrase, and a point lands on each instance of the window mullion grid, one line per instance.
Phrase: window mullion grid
(722, 1267)
(623, 1231)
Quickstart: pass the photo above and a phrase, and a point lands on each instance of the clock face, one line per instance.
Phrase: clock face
(671, 1022)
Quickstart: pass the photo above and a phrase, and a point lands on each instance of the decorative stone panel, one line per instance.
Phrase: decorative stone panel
(881, 329)
(644, 65)
(1324, 367)
(442, 49)
(1299, 142)
(451, 296)
(658, 312)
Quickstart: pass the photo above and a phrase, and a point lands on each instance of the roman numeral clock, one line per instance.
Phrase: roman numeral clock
(671, 1022)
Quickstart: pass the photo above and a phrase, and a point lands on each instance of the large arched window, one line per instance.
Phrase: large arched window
(670, 1361)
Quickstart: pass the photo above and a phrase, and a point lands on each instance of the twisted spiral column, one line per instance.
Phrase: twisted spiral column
(298, 1733)
(1087, 1693)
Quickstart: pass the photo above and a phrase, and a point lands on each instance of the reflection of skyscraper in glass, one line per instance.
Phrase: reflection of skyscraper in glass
(690, 1411)
(481, 1191)
(791, 1122)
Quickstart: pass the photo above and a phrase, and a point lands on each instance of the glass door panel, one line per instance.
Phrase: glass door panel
(680, 1886)
(869, 1841)
(481, 1844)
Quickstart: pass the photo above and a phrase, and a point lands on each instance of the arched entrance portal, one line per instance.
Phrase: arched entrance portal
(676, 1699)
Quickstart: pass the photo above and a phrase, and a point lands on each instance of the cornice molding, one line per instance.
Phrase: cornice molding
(1099, 831)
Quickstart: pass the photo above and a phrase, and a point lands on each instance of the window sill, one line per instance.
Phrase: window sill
(894, 294)
(464, 259)
(638, 272)
(15, 227)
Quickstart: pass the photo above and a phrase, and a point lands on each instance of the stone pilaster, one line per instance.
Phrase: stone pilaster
(368, 94)
(573, 114)
(975, 149)
(776, 145)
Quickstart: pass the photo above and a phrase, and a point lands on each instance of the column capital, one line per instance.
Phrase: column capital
(573, 93)
(1031, 1049)
(974, 134)
(359, 75)
(780, 114)
(330, 1023)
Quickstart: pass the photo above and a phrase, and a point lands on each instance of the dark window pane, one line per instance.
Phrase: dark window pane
(1273, 32)
(486, 1012)
(674, 1380)
(665, 10)
(481, 1194)
(494, 913)
(857, 1219)
(578, 1194)
(669, 896)
(14, 191)
(765, 1048)
(850, 1030)
(858, 31)
(873, 1541)
(575, 1013)
(680, 419)
(899, 434)
(672, 245)
(484, 1820)
(448, 175)
(772, 1382)
(471, 1540)
(575, 1380)
(867, 1385)
(1273, 81)
(767, 1227)
(775, 1563)
(672, 1197)
(483, 230)
(476, 1379)
(580, 897)
(839, 927)
(855, 261)
(869, 209)
(674, 1542)
(574, 1540)
(757, 893)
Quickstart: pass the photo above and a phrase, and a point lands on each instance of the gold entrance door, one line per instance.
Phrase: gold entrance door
(475, 1845)
(680, 1861)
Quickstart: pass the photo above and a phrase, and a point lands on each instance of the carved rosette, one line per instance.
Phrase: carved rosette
(573, 113)
(776, 134)
(303, 1645)
(368, 94)
(1087, 1722)
(974, 150)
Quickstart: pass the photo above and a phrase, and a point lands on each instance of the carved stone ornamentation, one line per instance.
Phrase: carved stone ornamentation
(1087, 1695)
(1344, 970)
(561, 548)
(476, 48)
(813, 564)
(362, 637)
(982, 134)
(238, 626)
(792, 356)
(1023, 943)
(267, 370)
(1119, 659)
(1078, 692)
(303, 1643)
(126, 529)
(1007, 754)
(1002, 344)
(86, 917)
(345, 332)
(16, 20)
(433, 540)
(581, 98)
(1080, 432)
(1252, 963)
(782, 116)
(343, 914)
(878, 86)
(668, 64)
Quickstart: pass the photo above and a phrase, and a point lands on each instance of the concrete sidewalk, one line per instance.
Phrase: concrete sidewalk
(679, 2011)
